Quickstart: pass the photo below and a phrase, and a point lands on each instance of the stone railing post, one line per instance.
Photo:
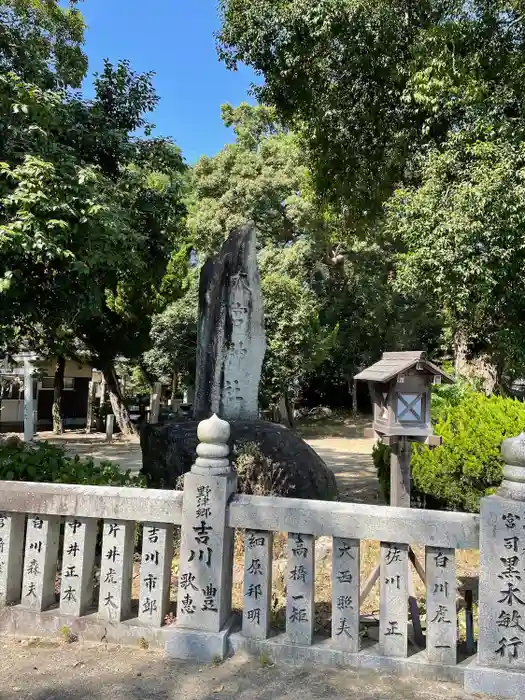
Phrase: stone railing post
(500, 666)
(206, 553)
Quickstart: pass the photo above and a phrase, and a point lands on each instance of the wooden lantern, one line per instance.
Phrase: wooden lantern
(400, 385)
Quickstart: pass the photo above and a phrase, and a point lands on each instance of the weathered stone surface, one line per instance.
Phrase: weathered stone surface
(40, 562)
(231, 342)
(345, 594)
(168, 452)
(12, 527)
(300, 589)
(206, 553)
(363, 522)
(440, 569)
(78, 560)
(116, 570)
(393, 615)
(258, 546)
(502, 584)
(155, 573)
(198, 645)
(503, 683)
(85, 501)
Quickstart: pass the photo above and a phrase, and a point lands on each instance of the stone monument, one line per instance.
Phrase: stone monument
(231, 341)
(230, 353)
(500, 667)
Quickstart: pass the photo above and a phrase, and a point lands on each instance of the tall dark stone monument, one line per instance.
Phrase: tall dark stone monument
(230, 353)
(231, 341)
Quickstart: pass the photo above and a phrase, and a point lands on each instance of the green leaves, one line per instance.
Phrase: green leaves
(468, 465)
(46, 462)
(463, 233)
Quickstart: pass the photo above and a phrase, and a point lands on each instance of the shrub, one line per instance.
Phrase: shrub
(257, 474)
(21, 461)
(381, 457)
(468, 465)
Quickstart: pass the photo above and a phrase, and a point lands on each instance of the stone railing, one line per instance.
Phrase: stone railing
(90, 532)
(80, 530)
(396, 529)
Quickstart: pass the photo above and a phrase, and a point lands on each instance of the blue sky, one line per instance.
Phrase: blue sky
(175, 39)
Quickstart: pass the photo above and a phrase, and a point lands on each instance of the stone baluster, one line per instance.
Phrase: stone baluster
(12, 526)
(78, 560)
(206, 553)
(500, 667)
(440, 575)
(116, 570)
(258, 551)
(40, 562)
(300, 588)
(393, 612)
(155, 573)
(345, 594)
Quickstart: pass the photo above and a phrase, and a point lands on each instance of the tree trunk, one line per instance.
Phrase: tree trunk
(460, 354)
(90, 402)
(354, 397)
(289, 410)
(117, 400)
(58, 418)
(174, 388)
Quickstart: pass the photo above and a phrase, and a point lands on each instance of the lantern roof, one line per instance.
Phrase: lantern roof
(394, 363)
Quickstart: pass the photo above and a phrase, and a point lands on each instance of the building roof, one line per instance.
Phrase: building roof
(393, 363)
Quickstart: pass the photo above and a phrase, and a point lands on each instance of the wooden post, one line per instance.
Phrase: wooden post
(29, 419)
(110, 423)
(89, 413)
(400, 473)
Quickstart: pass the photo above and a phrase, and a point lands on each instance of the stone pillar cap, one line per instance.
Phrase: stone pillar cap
(213, 430)
(513, 450)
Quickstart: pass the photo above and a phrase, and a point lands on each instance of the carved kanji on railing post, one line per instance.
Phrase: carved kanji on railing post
(206, 553)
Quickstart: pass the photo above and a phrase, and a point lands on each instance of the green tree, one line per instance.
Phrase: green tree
(371, 85)
(91, 214)
(424, 100)
(263, 177)
(41, 42)
(260, 177)
(174, 341)
(463, 234)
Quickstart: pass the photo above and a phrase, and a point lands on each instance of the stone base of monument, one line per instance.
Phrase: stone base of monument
(168, 452)
(17, 621)
(495, 681)
(198, 645)
(321, 651)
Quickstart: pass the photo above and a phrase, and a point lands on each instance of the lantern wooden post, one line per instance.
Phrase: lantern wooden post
(400, 387)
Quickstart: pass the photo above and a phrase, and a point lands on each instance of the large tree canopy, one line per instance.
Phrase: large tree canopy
(372, 84)
(412, 117)
(91, 214)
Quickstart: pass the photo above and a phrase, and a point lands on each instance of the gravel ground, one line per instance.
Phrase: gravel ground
(47, 670)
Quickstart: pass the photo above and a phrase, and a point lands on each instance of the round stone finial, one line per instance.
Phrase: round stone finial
(513, 484)
(213, 449)
(213, 430)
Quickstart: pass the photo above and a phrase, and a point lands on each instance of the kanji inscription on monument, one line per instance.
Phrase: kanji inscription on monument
(78, 559)
(394, 599)
(345, 594)
(502, 583)
(300, 588)
(116, 569)
(258, 548)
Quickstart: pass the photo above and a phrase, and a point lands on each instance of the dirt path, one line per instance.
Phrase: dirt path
(39, 670)
(351, 461)
(348, 457)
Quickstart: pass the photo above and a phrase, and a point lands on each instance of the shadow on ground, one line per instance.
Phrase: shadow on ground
(86, 672)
